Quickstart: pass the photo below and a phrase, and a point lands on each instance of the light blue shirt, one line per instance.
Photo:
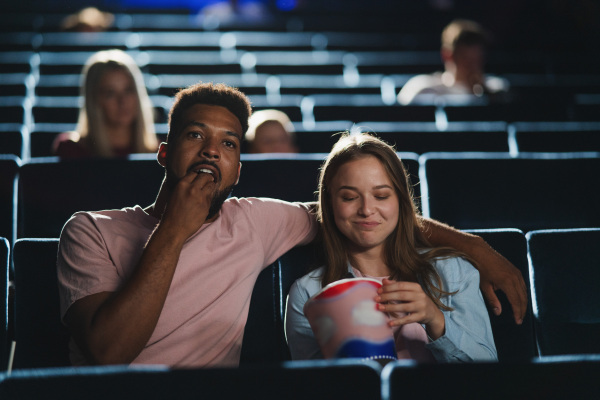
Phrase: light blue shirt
(468, 334)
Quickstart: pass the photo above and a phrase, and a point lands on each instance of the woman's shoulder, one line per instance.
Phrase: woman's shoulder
(309, 283)
(455, 267)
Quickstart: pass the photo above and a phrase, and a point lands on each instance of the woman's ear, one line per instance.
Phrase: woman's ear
(161, 156)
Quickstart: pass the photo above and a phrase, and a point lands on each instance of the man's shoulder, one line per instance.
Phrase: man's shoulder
(258, 205)
(128, 215)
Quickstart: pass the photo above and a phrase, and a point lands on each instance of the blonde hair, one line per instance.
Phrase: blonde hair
(91, 126)
(408, 254)
(261, 117)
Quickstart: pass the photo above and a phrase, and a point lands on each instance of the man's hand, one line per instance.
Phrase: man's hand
(496, 272)
(189, 204)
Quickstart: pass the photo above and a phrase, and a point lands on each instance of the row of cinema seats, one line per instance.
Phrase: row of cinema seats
(322, 107)
(553, 354)
(478, 190)
(570, 377)
(415, 137)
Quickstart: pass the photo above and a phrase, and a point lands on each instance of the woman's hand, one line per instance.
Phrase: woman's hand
(406, 302)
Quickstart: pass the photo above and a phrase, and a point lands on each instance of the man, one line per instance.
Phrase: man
(171, 283)
(463, 80)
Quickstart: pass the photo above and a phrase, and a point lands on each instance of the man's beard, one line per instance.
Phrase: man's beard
(217, 201)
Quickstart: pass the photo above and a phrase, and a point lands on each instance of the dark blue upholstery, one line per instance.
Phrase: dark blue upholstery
(9, 169)
(4, 268)
(292, 380)
(513, 342)
(12, 139)
(567, 378)
(566, 300)
(483, 190)
(558, 137)
(50, 192)
(262, 343)
(42, 340)
(292, 177)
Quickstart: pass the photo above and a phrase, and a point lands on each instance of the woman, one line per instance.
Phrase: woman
(371, 229)
(116, 118)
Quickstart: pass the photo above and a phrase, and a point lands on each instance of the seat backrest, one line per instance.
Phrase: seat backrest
(320, 380)
(9, 168)
(50, 191)
(293, 265)
(483, 190)
(572, 378)
(513, 342)
(12, 139)
(41, 339)
(261, 342)
(290, 178)
(558, 137)
(565, 271)
(4, 268)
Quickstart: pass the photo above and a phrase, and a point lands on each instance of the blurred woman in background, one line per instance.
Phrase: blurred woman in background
(116, 117)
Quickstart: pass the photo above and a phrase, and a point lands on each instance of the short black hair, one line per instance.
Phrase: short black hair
(211, 94)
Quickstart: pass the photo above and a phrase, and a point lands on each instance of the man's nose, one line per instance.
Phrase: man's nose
(210, 149)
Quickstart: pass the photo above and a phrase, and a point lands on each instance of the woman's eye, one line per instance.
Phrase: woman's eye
(382, 197)
(346, 198)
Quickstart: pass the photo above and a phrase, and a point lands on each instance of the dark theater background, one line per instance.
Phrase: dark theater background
(519, 167)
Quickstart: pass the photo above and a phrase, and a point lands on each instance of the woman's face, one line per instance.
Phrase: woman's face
(365, 204)
(117, 98)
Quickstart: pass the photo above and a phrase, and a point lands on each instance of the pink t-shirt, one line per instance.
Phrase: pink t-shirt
(203, 318)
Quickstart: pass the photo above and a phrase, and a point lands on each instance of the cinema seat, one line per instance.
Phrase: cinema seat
(564, 271)
(494, 190)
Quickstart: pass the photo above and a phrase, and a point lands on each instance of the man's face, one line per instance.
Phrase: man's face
(209, 142)
(470, 61)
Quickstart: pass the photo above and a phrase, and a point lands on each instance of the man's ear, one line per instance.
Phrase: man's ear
(238, 174)
(161, 156)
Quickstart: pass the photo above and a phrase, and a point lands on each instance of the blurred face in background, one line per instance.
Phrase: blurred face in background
(271, 137)
(118, 99)
(469, 62)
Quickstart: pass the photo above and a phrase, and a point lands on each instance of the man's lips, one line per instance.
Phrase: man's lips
(205, 167)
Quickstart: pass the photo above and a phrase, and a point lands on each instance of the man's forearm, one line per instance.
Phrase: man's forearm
(121, 325)
(440, 234)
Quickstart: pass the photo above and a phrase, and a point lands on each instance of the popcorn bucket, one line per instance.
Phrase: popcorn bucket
(346, 322)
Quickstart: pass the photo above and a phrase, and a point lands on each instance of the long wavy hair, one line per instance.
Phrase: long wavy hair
(408, 254)
(91, 126)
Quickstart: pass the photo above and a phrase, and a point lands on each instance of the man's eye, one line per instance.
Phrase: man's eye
(194, 134)
(229, 143)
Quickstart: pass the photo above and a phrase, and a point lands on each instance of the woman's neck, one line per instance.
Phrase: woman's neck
(370, 262)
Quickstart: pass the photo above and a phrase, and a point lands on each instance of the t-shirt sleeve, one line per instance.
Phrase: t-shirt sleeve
(84, 266)
(299, 335)
(280, 225)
